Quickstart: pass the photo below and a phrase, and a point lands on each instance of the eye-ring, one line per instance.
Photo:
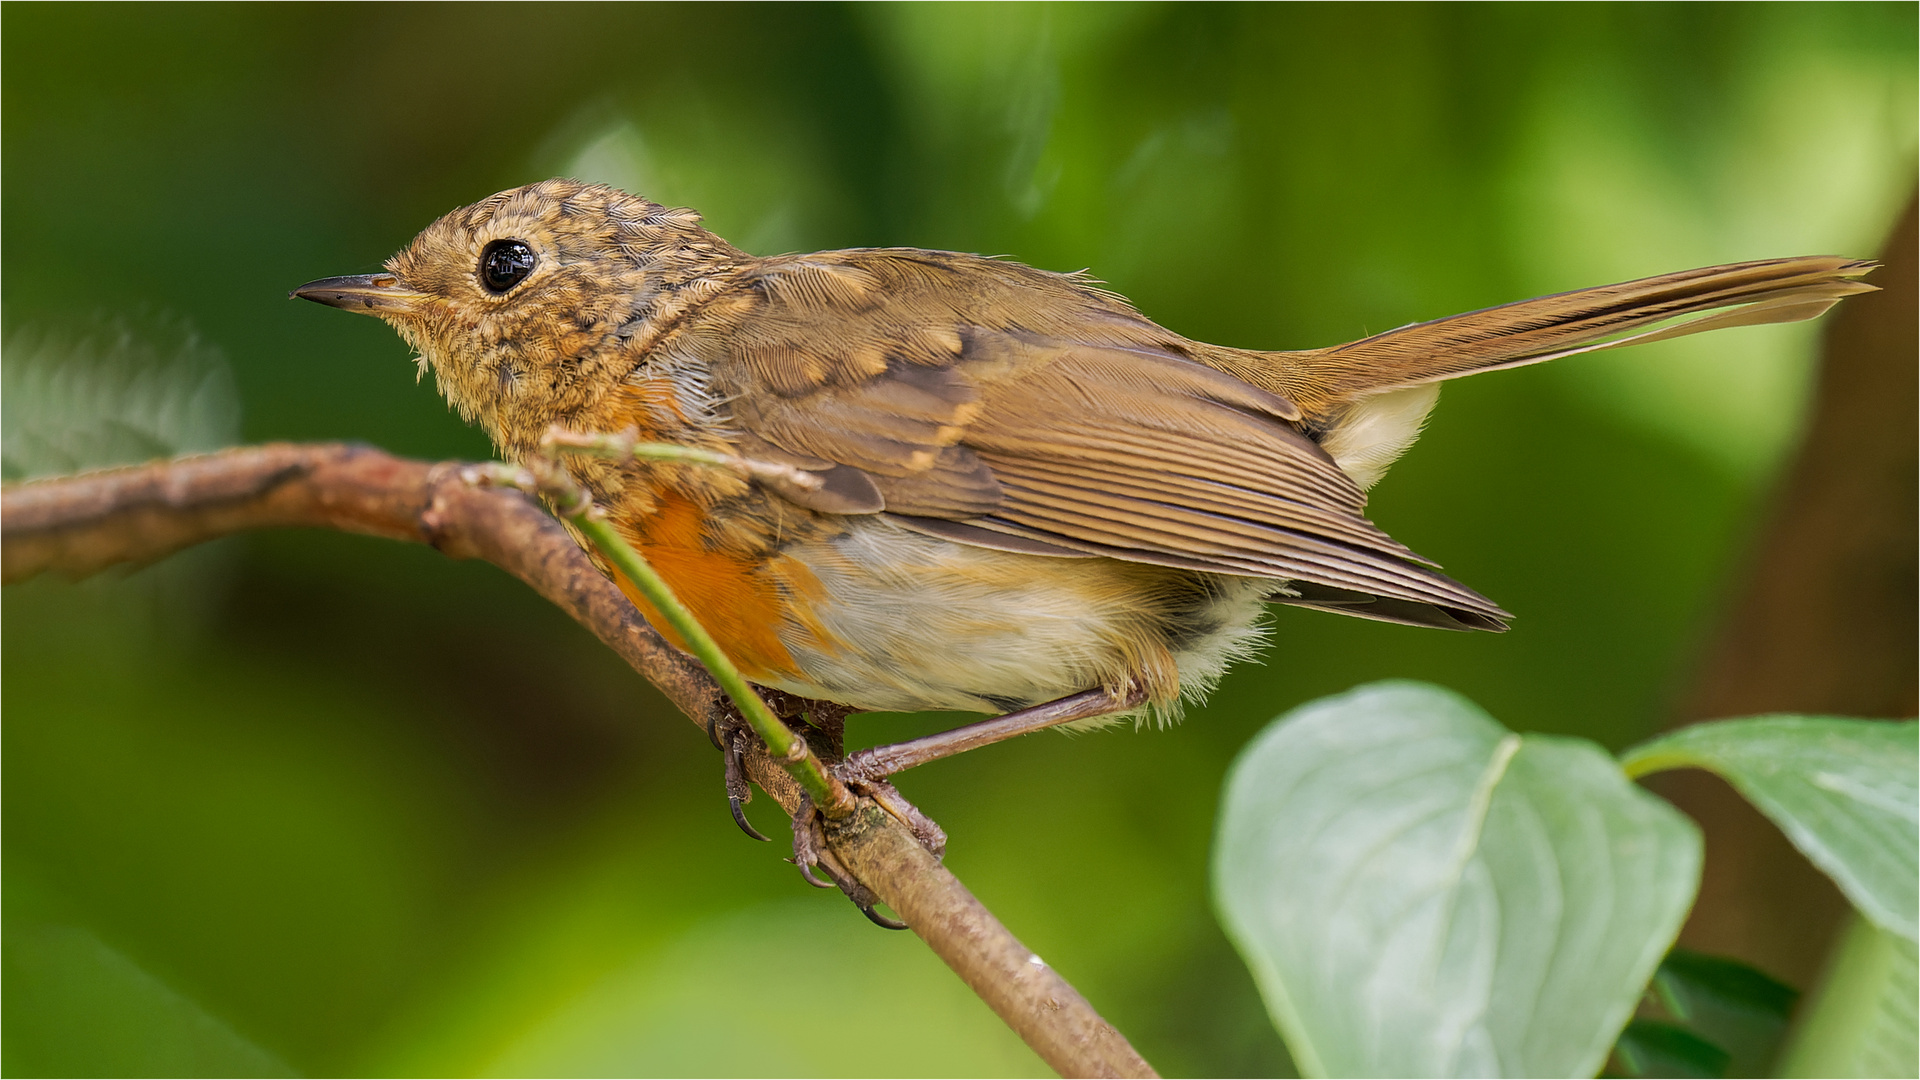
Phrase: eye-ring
(504, 264)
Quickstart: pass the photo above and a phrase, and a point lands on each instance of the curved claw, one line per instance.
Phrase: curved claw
(713, 736)
(740, 819)
(881, 920)
(806, 871)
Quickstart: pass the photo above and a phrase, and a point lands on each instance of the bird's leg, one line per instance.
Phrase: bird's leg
(729, 735)
(822, 723)
(866, 771)
(830, 720)
(873, 765)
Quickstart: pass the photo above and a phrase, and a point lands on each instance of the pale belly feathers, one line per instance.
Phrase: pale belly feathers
(925, 623)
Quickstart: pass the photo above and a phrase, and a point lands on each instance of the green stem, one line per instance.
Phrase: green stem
(627, 445)
(828, 794)
(571, 501)
(1636, 763)
(654, 451)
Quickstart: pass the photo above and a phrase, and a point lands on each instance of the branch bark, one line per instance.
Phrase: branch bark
(83, 524)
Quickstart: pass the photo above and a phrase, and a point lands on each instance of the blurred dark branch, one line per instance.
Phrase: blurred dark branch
(83, 524)
(1823, 619)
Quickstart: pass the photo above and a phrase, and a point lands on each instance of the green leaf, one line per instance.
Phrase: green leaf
(686, 1007)
(1846, 792)
(1690, 983)
(1421, 892)
(1654, 1048)
(76, 1006)
(1738, 1009)
(1865, 1018)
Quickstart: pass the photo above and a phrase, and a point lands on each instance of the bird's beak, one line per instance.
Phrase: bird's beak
(368, 294)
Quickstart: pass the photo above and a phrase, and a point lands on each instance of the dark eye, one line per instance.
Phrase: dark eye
(504, 264)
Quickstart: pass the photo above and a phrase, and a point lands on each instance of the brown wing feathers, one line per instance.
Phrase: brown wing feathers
(1004, 407)
(1147, 457)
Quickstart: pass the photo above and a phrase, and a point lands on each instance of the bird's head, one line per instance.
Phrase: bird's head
(524, 303)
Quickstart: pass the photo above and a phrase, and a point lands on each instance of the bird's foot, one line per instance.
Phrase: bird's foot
(865, 777)
(811, 849)
(732, 737)
(812, 852)
(821, 723)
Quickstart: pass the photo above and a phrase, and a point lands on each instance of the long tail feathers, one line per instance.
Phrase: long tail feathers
(1585, 320)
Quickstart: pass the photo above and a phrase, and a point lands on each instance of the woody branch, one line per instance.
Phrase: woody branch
(79, 525)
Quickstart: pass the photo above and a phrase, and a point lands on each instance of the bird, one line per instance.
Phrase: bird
(1007, 491)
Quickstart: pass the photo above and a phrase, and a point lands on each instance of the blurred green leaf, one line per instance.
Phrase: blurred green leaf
(1421, 892)
(1690, 982)
(1863, 1020)
(1655, 1048)
(1846, 792)
(1741, 1011)
(112, 392)
(754, 180)
(794, 988)
(76, 1006)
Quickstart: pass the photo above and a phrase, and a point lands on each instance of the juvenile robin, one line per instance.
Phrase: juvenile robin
(1032, 500)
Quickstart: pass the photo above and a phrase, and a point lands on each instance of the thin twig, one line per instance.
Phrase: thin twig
(1040, 1006)
(81, 525)
(627, 444)
(571, 501)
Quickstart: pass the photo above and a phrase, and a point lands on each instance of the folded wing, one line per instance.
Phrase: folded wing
(1111, 447)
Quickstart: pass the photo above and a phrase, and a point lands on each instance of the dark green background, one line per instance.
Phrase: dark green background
(330, 805)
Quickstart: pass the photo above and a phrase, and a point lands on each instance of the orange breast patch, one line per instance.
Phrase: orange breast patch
(737, 599)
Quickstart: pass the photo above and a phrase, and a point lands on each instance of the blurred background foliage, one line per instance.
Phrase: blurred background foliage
(322, 804)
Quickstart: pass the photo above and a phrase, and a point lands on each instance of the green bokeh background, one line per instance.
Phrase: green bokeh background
(327, 805)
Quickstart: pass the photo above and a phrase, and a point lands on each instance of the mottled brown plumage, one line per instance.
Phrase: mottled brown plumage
(1028, 488)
